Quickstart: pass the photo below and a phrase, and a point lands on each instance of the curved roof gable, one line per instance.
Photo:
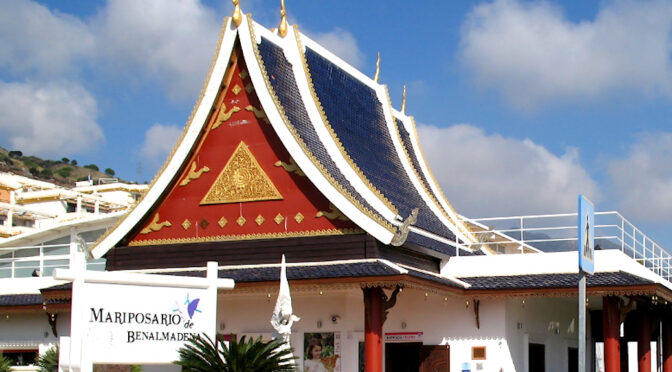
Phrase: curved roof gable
(337, 128)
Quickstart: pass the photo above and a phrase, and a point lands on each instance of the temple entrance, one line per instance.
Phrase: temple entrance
(537, 357)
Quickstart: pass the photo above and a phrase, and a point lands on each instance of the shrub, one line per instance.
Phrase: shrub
(73, 162)
(48, 362)
(65, 172)
(92, 167)
(46, 173)
(5, 364)
(15, 154)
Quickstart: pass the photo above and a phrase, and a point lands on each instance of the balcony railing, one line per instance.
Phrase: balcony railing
(22, 262)
(558, 233)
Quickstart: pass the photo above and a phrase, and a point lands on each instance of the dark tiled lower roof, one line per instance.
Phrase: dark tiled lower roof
(618, 278)
(357, 117)
(341, 270)
(282, 80)
(21, 300)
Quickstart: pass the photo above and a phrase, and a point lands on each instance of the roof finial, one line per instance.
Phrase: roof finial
(282, 27)
(403, 101)
(377, 76)
(237, 15)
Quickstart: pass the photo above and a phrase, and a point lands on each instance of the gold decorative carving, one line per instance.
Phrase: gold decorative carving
(283, 27)
(243, 74)
(403, 100)
(249, 88)
(204, 224)
(259, 220)
(155, 225)
(333, 214)
(291, 167)
(222, 222)
(186, 224)
(241, 221)
(221, 238)
(193, 174)
(376, 77)
(299, 217)
(260, 114)
(279, 218)
(236, 89)
(241, 180)
(224, 115)
(400, 237)
(237, 14)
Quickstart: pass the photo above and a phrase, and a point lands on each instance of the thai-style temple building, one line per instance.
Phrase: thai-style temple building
(292, 151)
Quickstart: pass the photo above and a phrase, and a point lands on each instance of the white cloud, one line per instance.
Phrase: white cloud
(38, 41)
(533, 54)
(342, 44)
(642, 181)
(49, 120)
(489, 175)
(170, 41)
(159, 142)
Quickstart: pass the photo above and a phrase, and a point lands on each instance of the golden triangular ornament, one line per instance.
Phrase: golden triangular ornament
(241, 180)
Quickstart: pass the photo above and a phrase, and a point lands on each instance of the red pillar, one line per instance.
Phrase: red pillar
(644, 342)
(611, 328)
(667, 344)
(373, 329)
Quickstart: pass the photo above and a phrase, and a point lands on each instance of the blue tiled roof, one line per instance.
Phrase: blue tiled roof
(356, 116)
(406, 141)
(555, 281)
(20, 300)
(282, 80)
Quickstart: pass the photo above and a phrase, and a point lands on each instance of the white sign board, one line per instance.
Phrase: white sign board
(141, 324)
(403, 337)
(586, 236)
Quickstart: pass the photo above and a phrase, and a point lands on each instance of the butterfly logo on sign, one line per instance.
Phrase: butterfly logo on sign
(188, 308)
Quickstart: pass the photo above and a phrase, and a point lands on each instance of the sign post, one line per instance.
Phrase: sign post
(132, 318)
(586, 249)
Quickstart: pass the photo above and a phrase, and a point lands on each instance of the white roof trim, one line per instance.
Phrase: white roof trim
(181, 152)
(288, 140)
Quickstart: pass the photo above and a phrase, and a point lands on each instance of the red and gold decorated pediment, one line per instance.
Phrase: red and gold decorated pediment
(239, 181)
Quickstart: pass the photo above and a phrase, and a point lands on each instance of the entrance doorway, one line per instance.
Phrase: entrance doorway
(573, 359)
(537, 357)
(416, 357)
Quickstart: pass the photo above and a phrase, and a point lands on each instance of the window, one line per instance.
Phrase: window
(21, 357)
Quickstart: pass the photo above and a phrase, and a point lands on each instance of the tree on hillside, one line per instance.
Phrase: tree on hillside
(73, 162)
(109, 172)
(65, 172)
(15, 154)
(93, 167)
(65, 160)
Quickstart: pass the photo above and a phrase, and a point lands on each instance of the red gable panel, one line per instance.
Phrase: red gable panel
(239, 182)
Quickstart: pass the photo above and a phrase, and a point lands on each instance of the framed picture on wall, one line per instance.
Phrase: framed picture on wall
(322, 352)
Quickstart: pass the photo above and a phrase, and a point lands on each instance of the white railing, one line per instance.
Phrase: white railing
(21, 262)
(558, 232)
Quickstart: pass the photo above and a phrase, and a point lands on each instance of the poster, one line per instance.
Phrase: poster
(322, 352)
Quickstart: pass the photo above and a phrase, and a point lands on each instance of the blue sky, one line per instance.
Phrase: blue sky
(520, 105)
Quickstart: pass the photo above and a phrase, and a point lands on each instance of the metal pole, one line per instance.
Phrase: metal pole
(582, 321)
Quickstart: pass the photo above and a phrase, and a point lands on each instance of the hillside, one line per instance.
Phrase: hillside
(64, 172)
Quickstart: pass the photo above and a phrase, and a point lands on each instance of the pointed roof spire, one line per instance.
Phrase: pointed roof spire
(283, 27)
(403, 101)
(377, 76)
(237, 14)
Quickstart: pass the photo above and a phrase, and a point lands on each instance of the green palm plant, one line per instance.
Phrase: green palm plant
(5, 364)
(201, 354)
(48, 362)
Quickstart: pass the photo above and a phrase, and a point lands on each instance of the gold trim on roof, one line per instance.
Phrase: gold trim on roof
(241, 180)
(279, 218)
(386, 224)
(259, 220)
(186, 224)
(376, 77)
(222, 222)
(403, 101)
(155, 225)
(333, 134)
(193, 174)
(237, 14)
(223, 238)
(236, 89)
(299, 217)
(249, 88)
(241, 221)
(243, 74)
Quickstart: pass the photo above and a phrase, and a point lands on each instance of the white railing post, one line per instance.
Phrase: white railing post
(622, 234)
(522, 238)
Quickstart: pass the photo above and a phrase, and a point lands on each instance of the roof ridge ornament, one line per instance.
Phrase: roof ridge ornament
(283, 27)
(400, 237)
(376, 77)
(403, 101)
(237, 14)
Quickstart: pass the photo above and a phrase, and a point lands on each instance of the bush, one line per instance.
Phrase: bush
(15, 154)
(73, 162)
(48, 362)
(65, 172)
(201, 354)
(5, 364)
(46, 173)
(109, 172)
(34, 171)
(92, 167)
